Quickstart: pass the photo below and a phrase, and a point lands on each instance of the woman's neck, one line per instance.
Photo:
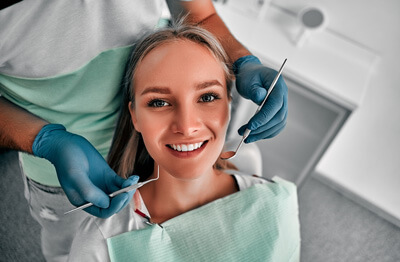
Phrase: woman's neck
(169, 196)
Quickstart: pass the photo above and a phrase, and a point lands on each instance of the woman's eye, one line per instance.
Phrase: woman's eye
(157, 103)
(208, 97)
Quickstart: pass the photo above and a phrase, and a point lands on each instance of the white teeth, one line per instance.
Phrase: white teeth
(186, 148)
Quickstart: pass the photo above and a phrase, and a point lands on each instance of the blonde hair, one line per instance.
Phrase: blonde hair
(128, 154)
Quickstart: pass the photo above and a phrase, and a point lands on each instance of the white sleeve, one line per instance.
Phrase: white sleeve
(89, 243)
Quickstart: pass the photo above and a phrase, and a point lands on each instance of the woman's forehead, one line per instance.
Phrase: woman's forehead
(178, 59)
(177, 47)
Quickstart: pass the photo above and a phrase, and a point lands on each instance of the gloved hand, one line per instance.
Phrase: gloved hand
(82, 171)
(252, 81)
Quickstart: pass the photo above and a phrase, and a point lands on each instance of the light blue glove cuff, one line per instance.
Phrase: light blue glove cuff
(42, 135)
(244, 60)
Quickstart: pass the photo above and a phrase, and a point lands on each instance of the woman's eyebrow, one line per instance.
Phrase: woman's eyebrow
(206, 84)
(156, 89)
(166, 90)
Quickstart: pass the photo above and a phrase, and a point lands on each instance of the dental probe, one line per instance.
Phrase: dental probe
(231, 154)
(123, 190)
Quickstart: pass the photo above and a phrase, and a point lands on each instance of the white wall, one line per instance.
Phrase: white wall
(365, 157)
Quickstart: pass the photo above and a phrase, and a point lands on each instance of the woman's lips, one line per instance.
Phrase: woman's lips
(185, 147)
(187, 150)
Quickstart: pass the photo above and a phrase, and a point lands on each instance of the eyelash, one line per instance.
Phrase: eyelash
(153, 102)
(214, 95)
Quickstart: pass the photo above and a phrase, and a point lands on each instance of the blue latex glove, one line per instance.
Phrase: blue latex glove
(82, 171)
(252, 81)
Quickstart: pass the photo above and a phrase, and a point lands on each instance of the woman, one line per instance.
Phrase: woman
(173, 122)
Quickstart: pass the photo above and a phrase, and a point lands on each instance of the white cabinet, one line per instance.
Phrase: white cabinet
(313, 121)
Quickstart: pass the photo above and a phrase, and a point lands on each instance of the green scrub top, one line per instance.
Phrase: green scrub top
(85, 101)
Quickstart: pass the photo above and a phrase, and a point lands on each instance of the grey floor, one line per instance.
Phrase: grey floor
(333, 227)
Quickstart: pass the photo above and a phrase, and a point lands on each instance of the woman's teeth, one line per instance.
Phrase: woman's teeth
(186, 147)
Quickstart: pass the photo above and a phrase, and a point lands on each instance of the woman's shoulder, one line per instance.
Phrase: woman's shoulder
(114, 225)
(90, 242)
(123, 221)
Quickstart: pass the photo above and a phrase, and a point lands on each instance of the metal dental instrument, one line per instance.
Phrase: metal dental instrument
(230, 154)
(123, 190)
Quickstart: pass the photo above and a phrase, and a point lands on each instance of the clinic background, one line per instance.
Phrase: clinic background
(343, 93)
(349, 197)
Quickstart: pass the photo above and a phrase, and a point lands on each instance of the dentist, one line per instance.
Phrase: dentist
(61, 64)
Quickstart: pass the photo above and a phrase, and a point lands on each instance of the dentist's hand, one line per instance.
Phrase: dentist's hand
(252, 81)
(83, 173)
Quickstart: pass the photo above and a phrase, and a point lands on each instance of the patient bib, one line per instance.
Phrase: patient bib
(257, 224)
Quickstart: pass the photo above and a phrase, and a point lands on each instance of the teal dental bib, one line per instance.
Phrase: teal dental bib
(257, 224)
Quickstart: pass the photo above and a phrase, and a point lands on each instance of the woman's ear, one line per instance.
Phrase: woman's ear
(132, 112)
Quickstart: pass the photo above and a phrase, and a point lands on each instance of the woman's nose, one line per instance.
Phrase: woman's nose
(186, 121)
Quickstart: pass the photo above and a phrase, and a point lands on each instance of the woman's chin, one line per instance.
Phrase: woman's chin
(187, 174)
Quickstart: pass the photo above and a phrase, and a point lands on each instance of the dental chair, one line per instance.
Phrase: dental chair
(248, 160)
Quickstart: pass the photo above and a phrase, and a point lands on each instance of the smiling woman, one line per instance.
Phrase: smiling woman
(173, 123)
(185, 103)
(181, 59)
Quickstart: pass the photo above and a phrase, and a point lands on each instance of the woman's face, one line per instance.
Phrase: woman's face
(181, 107)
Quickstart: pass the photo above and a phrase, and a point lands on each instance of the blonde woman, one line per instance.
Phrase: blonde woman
(173, 122)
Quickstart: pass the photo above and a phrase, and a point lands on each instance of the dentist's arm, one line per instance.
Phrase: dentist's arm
(252, 78)
(18, 127)
(82, 172)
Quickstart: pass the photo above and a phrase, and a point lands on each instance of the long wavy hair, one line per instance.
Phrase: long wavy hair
(128, 154)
